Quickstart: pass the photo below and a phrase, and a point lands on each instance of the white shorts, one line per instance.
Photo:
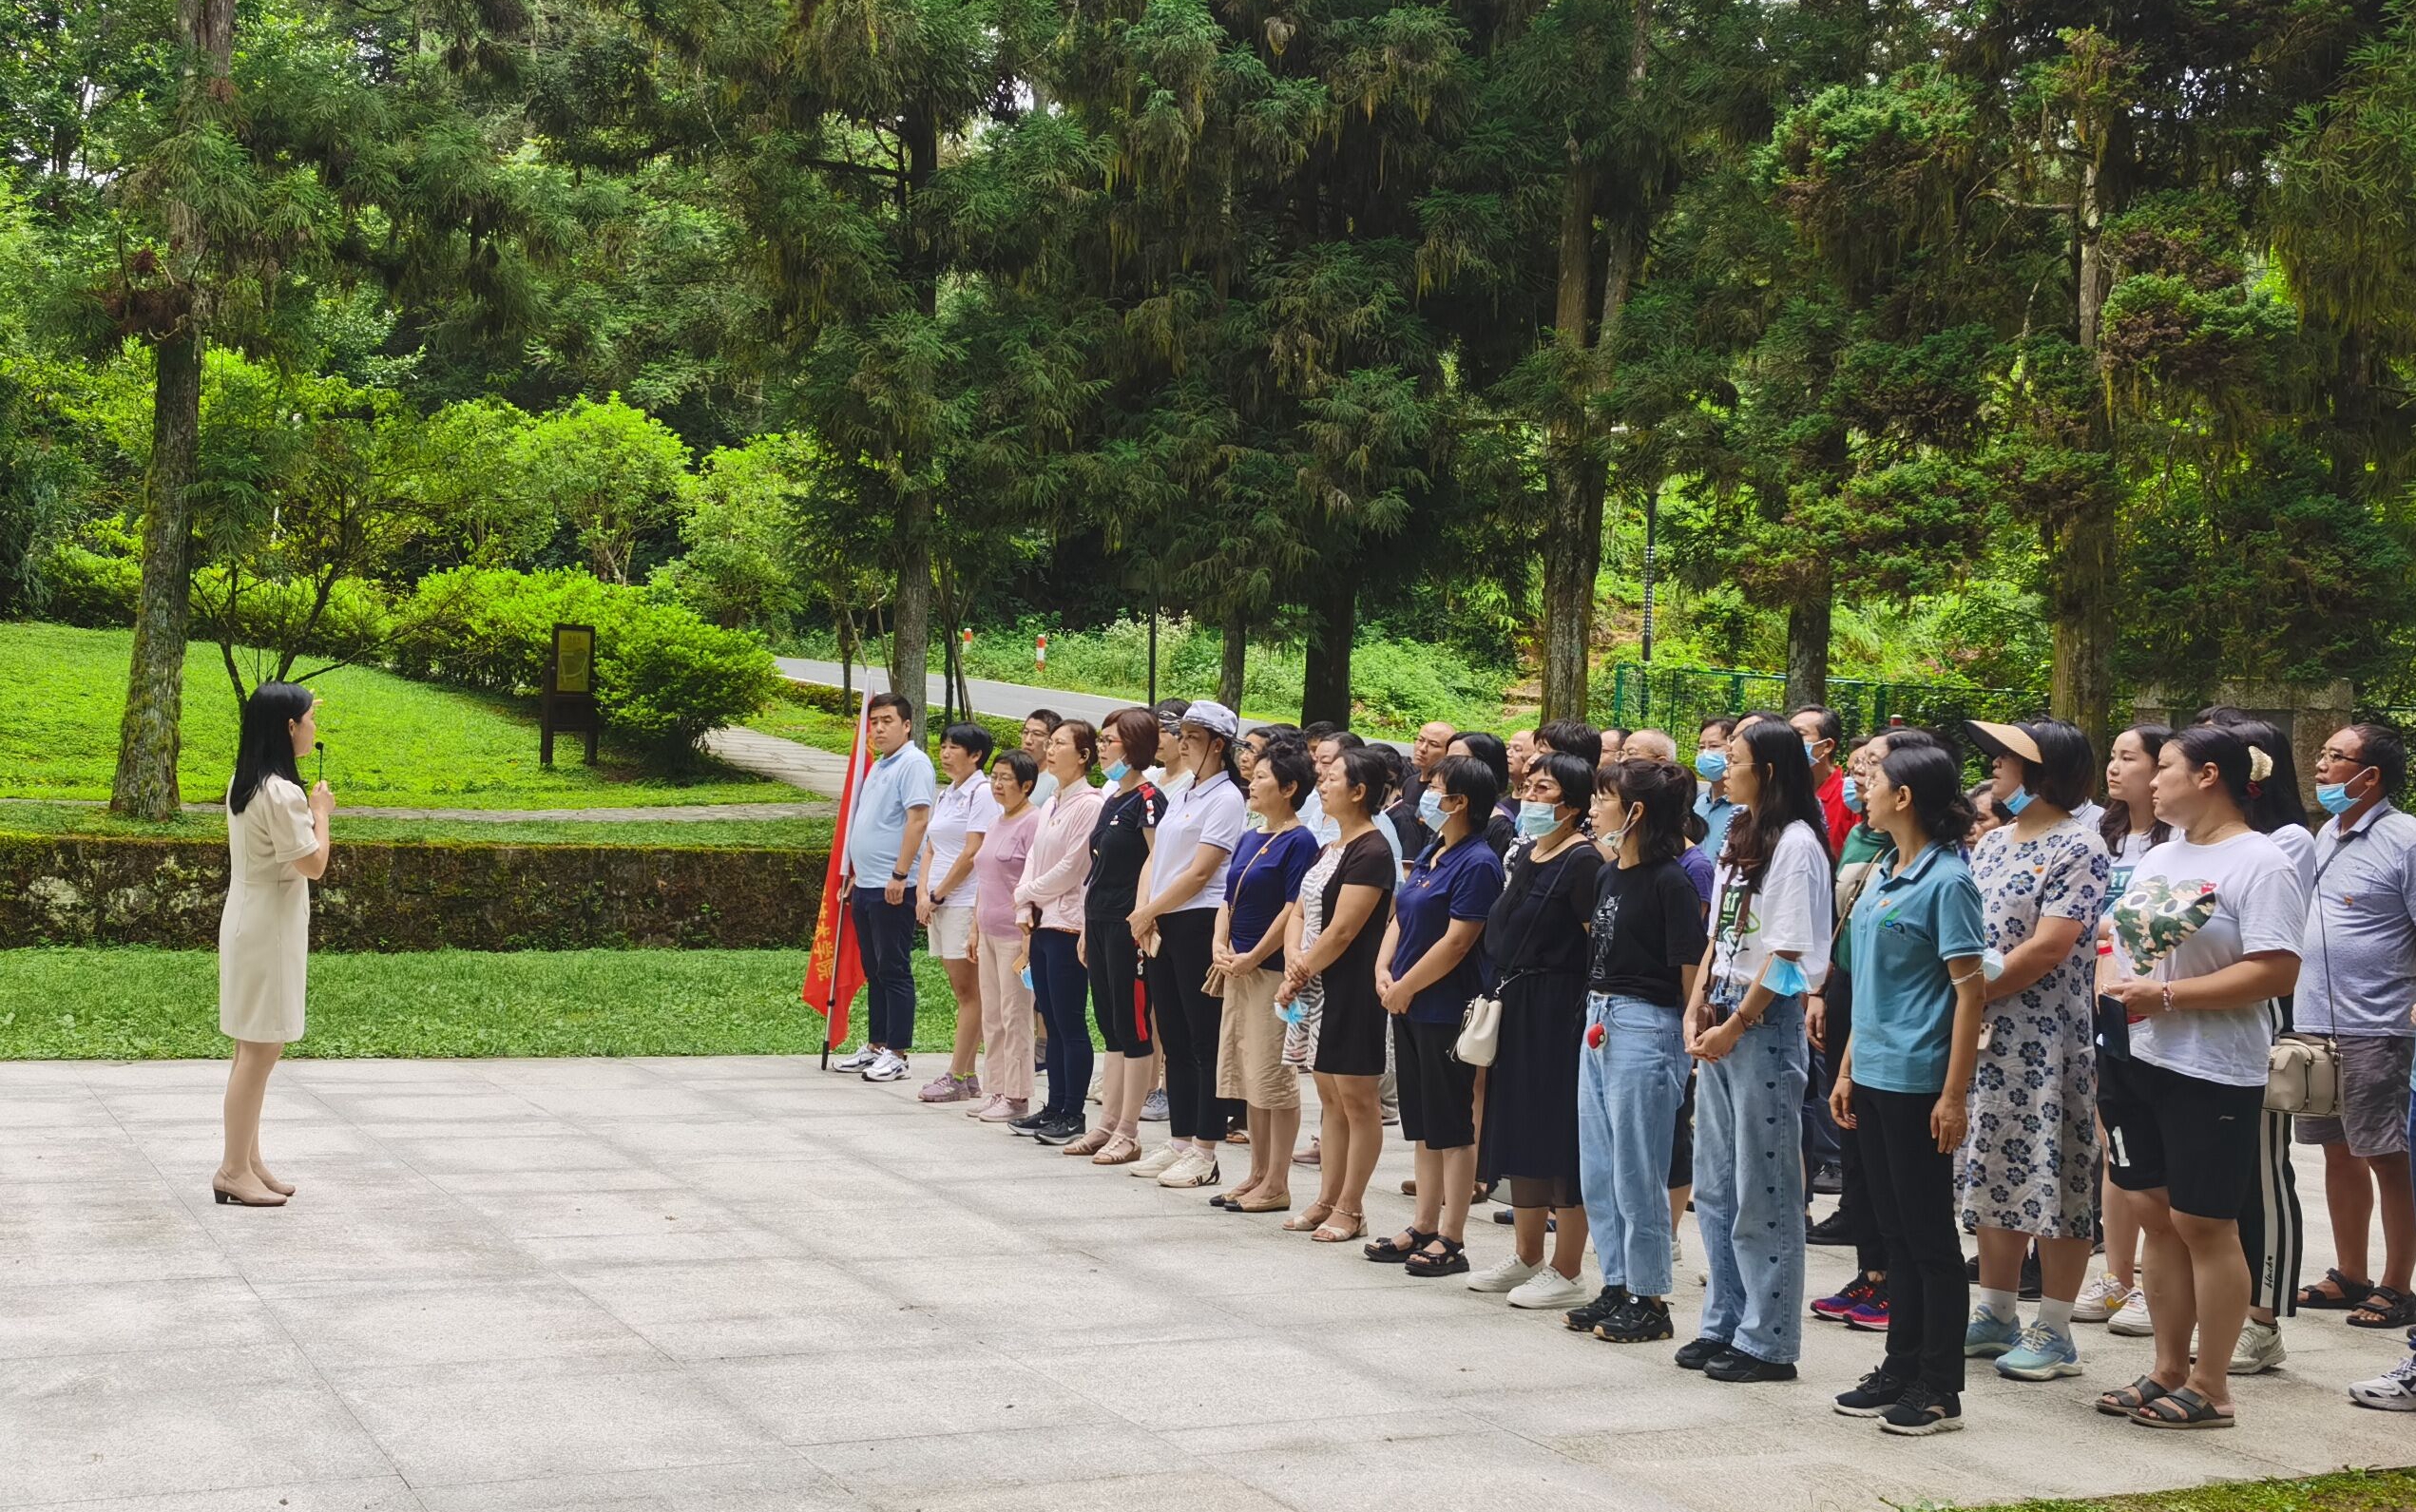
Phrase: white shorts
(951, 932)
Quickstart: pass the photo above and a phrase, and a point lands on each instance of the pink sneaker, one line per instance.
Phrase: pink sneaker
(1003, 1109)
(995, 1099)
(947, 1089)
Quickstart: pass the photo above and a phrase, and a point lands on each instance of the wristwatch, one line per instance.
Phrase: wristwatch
(897, 876)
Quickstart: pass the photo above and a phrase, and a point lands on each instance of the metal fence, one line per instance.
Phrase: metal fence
(1679, 699)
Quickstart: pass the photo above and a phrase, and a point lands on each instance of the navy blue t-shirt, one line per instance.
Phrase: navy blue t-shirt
(1258, 886)
(1460, 883)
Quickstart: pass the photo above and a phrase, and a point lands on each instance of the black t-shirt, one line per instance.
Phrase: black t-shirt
(1118, 849)
(1351, 982)
(1414, 835)
(1501, 832)
(1648, 927)
(1539, 922)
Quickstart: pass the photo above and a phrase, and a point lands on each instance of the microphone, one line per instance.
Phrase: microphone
(320, 746)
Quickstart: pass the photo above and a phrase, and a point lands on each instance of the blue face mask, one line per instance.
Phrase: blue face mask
(1809, 759)
(1711, 765)
(1026, 977)
(1431, 810)
(2014, 805)
(2334, 796)
(1853, 796)
(1537, 817)
(1114, 771)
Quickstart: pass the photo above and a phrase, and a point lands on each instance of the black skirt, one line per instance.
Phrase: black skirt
(1530, 1092)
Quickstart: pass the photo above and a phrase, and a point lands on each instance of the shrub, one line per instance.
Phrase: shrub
(90, 590)
(663, 677)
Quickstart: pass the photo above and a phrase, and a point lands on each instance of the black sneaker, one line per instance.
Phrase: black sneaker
(1607, 1301)
(1922, 1411)
(1828, 1179)
(1831, 1230)
(1643, 1320)
(1032, 1120)
(1737, 1366)
(1875, 1393)
(1064, 1129)
(1700, 1353)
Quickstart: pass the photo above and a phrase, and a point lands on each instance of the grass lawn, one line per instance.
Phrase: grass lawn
(390, 743)
(126, 1003)
(806, 725)
(2349, 1491)
(717, 834)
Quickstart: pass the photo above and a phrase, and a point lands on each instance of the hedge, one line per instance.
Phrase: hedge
(94, 890)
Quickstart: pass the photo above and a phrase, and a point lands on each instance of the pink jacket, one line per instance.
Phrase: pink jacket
(1057, 872)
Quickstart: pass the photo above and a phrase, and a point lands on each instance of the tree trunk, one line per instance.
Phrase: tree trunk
(1573, 519)
(1234, 655)
(911, 620)
(1808, 648)
(147, 735)
(2083, 579)
(1325, 681)
(147, 742)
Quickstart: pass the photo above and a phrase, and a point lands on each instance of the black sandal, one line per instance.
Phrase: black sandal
(2181, 1409)
(2124, 1400)
(1384, 1252)
(2346, 1295)
(1453, 1260)
(2384, 1307)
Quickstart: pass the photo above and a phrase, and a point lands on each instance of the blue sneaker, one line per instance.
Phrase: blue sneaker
(1990, 1334)
(2040, 1354)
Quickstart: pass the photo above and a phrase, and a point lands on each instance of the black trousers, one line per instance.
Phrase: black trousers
(1189, 1023)
(1853, 1206)
(1913, 1196)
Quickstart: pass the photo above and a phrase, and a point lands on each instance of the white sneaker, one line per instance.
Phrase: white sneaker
(996, 1100)
(1677, 1252)
(2395, 1390)
(1195, 1169)
(2131, 1319)
(2259, 1349)
(2098, 1299)
(857, 1062)
(1548, 1289)
(1156, 1162)
(1512, 1274)
(890, 1066)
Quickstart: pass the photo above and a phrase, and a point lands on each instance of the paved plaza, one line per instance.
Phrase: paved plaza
(696, 1285)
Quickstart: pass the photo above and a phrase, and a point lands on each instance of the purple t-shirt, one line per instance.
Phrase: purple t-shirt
(999, 864)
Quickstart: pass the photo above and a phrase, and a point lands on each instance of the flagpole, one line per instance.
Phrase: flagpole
(831, 995)
(838, 937)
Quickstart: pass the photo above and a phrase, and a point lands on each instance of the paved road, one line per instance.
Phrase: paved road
(1007, 700)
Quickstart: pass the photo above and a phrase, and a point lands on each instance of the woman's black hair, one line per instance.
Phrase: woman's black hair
(2274, 802)
(2212, 745)
(1573, 737)
(1573, 775)
(971, 739)
(2115, 828)
(1910, 737)
(265, 747)
(1467, 777)
(1486, 747)
(1018, 761)
(1935, 781)
(1295, 775)
(1786, 798)
(1231, 764)
(1665, 793)
(1086, 738)
(2066, 767)
(1363, 768)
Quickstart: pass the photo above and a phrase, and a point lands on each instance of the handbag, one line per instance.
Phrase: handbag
(2302, 1076)
(1479, 1037)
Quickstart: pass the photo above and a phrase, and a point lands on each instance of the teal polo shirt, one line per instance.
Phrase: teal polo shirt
(1907, 926)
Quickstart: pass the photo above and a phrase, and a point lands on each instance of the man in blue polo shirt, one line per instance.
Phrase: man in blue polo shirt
(892, 807)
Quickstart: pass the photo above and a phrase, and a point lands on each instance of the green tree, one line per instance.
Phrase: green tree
(617, 475)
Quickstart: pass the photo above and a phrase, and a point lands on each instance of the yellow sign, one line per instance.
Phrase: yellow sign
(574, 660)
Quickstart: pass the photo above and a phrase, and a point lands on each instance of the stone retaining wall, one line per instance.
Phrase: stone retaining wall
(110, 890)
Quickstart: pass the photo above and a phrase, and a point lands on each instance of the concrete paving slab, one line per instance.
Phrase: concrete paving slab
(745, 1284)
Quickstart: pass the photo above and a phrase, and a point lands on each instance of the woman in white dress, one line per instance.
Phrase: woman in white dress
(277, 846)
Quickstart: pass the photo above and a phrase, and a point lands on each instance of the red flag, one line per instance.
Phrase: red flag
(834, 969)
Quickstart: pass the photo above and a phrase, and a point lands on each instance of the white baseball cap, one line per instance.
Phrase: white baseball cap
(1214, 718)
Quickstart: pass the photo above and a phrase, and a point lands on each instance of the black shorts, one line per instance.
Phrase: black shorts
(1438, 1089)
(1118, 994)
(2195, 1139)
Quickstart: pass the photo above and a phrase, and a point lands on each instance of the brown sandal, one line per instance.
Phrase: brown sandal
(1327, 1234)
(1257, 1202)
(2124, 1400)
(1311, 1218)
(1122, 1150)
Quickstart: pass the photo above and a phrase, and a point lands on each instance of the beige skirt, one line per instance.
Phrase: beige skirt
(1249, 1063)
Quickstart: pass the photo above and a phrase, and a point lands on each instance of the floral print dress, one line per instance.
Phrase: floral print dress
(2030, 1161)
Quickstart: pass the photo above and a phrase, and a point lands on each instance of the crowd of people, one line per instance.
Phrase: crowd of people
(1597, 986)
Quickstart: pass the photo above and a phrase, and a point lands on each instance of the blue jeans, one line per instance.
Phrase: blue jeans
(885, 940)
(1749, 1175)
(1060, 987)
(1627, 1098)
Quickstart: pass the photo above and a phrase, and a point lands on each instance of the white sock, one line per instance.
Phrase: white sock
(2002, 1305)
(2056, 1317)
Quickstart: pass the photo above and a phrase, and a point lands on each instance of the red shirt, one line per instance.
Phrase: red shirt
(1833, 807)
